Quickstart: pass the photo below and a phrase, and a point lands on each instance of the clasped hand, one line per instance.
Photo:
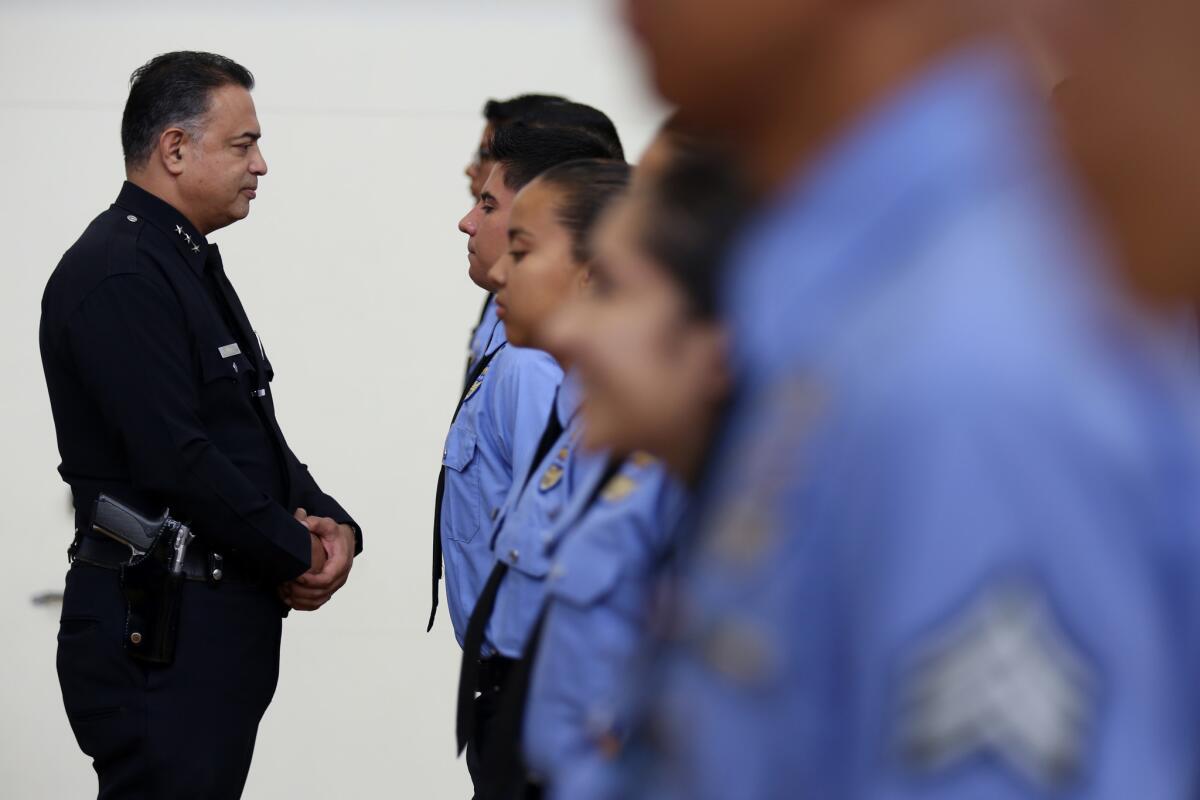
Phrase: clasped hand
(332, 558)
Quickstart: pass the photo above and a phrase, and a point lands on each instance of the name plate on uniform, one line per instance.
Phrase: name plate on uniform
(230, 350)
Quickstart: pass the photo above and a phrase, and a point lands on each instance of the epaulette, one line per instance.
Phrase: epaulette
(125, 230)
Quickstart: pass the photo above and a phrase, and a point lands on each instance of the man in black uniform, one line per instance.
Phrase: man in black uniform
(161, 396)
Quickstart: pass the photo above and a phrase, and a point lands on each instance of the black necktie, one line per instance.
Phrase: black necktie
(468, 675)
(504, 764)
(232, 308)
(550, 434)
(235, 317)
(441, 488)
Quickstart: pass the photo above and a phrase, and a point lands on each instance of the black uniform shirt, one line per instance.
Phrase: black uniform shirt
(160, 389)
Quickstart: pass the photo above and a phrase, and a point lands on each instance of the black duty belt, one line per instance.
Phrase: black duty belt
(198, 564)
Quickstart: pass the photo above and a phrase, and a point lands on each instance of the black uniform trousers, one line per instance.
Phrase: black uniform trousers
(181, 731)
(485, 710)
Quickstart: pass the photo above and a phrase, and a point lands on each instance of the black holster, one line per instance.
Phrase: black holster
(152, 596)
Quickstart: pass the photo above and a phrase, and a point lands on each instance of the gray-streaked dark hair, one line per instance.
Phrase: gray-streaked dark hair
(173, 89)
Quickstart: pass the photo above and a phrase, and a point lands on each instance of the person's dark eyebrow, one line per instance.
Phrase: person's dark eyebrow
(486, 196)
(513, 233)
(251, 135)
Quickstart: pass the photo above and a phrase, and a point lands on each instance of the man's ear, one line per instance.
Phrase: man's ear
(585, 277)
(173, 149)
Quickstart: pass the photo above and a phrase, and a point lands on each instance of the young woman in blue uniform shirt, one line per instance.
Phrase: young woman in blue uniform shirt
(649, 352)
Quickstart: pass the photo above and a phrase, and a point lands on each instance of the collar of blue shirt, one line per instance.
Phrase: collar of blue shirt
(570, 398)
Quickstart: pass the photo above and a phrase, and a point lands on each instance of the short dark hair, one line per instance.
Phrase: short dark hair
(173, 89)
(516, 109)
(552, 111)
(526, 151)
(587, 188)
(696, 207)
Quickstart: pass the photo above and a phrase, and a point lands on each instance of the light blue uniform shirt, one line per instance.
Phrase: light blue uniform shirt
(487, 335)
(604, 565)
(489, 447)
(526, 525)
(950, 548)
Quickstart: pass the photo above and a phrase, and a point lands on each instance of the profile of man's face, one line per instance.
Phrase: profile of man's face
(224, 163)
(486, 226)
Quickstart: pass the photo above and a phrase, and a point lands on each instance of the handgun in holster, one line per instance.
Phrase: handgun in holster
(152, 580)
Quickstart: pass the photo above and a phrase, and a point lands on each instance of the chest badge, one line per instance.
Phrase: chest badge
(551, 477)
(475, 386)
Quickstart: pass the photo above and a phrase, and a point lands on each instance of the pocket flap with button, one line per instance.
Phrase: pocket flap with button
(460, 448)
(585, 582)
(215, 366)
(528, 562)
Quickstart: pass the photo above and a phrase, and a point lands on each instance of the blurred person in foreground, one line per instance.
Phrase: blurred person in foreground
(1123, 80)
(162, 401)
(948, 544)
(650, 359)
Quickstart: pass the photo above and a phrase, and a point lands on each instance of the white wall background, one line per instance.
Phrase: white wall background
(352, 270)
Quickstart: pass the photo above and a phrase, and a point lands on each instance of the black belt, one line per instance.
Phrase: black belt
(198, 564)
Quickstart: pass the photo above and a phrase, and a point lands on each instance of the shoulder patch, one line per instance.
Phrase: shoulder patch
(642, 459)
(618, 488)
(740, 650)
(1002, 679)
